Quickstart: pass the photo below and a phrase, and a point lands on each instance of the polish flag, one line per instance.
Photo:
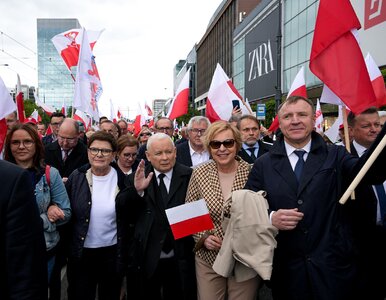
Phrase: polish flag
(64, 109)
(298, 87)
(336, 58)
(68, 44)
(274, 125)
(113, 112)
(318, 118)
(189, 218)
(88, 87)
(7, 106)
(33, 118)
(333, 132)
(148, 109)
(179, 105)
(328, 96)
(20, 101)
(49, 110)
(220, 95)
(376, 80)
(140, 119)
(82, 117)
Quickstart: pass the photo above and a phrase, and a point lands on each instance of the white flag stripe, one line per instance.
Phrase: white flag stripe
(7, 105)
(187, 211)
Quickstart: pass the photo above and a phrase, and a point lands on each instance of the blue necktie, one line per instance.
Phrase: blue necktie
(382, 202)
(300, 164)
(252, 150)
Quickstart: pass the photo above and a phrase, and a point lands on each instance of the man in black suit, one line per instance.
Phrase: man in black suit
(55, 120)
(160, 267)
(369, 218)
(23, 264)
(192, 152)
(252, 147)
(67, 153)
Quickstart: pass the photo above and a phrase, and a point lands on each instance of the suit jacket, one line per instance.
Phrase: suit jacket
(316, 259)
(150, 228)
(46, 140)
(183, 154)
(77, 158)
(23, 264)
(263, 148)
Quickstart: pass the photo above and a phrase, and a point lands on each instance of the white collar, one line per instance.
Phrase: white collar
(167, 174)
(359, 148)
(290, 149)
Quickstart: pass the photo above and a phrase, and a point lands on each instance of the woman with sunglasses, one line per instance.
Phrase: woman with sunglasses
(127, 148)
(97, 233)
(214, 181)
(143, 136)
(24, 147)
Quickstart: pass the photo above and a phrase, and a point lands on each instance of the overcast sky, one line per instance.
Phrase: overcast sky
(135, 55)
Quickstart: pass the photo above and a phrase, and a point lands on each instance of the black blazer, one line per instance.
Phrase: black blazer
(23, 264)
(183, 154)
(263, 148)
(150, 227)
(77, 158)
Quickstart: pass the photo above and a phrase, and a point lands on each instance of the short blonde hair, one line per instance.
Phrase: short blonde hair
(220, 126)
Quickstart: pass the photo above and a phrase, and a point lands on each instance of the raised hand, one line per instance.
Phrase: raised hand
(140, 181)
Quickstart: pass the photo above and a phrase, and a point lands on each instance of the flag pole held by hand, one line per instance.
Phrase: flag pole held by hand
(363, 171)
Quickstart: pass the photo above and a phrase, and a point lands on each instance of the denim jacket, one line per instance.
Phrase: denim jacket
(53, 194)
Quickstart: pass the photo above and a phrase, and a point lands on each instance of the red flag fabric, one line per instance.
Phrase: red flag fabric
(298, 87)
(82, 117)
(376, 80)
(179, 105)
(274, 125)
(20, 101)
(220, 96)
(189, 218)
(336, 58)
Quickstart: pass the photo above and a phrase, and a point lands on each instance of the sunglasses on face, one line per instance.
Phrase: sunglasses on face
(217, 144)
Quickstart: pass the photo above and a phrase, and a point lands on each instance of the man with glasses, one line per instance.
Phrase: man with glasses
(192, 152)
(66, 154)
(252, 146)
(55, 120)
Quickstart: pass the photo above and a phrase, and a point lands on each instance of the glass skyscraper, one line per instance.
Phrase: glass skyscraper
(54, 80)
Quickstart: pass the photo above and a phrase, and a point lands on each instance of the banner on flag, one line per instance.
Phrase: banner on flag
(189, 218)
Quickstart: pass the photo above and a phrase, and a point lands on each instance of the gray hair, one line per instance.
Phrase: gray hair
(198, 119)
(157, 137)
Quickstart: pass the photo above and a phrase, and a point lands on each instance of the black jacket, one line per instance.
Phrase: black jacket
(80, 198)
(263, 148)
(183, 154)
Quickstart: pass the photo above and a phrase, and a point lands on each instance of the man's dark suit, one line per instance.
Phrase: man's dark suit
(263, 148)
(183, 154)
(23, 264)
(77, 158)
(151, 228)
(371, 241)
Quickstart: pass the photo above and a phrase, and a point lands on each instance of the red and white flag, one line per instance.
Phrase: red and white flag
(49, 110)
(328, 96)
(189, 218)
(88, 87)
(64, 108)
(140, 119)
(113, 112)
(336, 58)
(220, 95)
(34, 117)
(298, 86)
(82, 117)
(20, 101)
(180, 103)
(376, 80)
(318, 118)
(148, 109)
(333, 132)
(68, 44)
(7, 106)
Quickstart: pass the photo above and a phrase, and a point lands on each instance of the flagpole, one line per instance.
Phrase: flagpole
(347, 138)
(278, 93)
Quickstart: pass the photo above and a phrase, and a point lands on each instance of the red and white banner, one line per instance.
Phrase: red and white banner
(336, 58)
(333, 132)
(189, 218)
(68, 44)
(179, 105)
(376, 80)
(7, 106)
(220, 95)
(82, 117)
(88, 87)
(49, 110)
(19, 101)
(318, 118)
(298, 86)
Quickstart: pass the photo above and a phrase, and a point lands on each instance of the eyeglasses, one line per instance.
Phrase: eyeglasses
(145, 133)
(104, 152)
(130, 155)
(68, 140)
(164, 128)
(217, 144)
(196, 131)
(26, 143)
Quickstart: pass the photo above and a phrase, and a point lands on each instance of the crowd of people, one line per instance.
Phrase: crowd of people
(94, 201)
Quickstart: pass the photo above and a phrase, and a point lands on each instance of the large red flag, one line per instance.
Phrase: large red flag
(376, 80)
(336, 57)
(179, 105)
(7, 106)
(20, 101)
